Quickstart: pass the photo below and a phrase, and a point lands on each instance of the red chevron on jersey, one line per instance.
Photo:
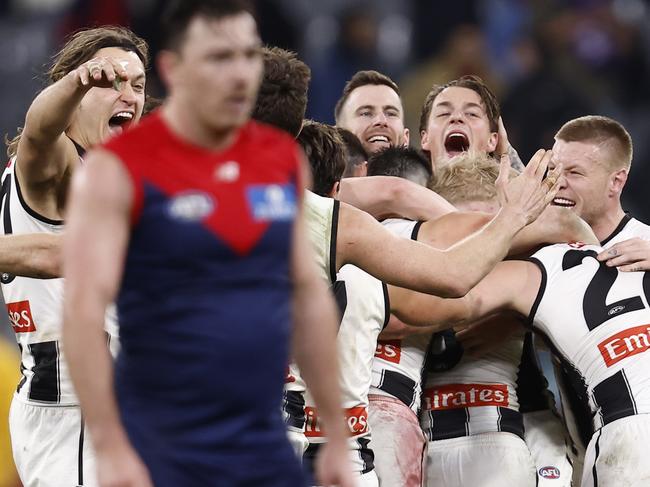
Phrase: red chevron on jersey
(253, 182)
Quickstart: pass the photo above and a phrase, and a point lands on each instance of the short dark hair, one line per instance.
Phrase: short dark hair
(472, 82)
(178, 15)
(362, 78)
(355, 154)
(324, 149)
(403, 162)
(282, 98)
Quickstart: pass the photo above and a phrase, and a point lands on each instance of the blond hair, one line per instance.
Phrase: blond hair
(470, 176)
(597, 129)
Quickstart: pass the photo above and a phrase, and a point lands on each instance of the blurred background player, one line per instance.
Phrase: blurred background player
(96, 90)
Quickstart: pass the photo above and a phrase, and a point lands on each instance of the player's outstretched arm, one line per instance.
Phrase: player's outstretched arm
(629, 255)
(35, 255)
(386, 196)
(93, 258)
(314, 350)
(44, 152)
(452, 273)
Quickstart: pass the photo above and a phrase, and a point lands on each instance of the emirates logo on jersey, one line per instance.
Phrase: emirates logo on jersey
(625, 344)
(389, 350)
(455, 396)
(20, 317)
(356, 419)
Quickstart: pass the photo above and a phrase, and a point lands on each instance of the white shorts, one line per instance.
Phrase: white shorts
(617, 454)
(496, 459)
(298, 440)
(546, 440)
(397, 441)
(50, 446)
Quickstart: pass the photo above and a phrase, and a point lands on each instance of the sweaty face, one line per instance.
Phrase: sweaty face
(457, 123)
(585, 185)
(218, 70)
(104, 112)
(375, 115)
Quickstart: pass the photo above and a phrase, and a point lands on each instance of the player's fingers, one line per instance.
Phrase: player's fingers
(531, 167)
(540, 170)
(637, 266)
(553, 188)
(504, 170)
(119, 69)
(82, 75)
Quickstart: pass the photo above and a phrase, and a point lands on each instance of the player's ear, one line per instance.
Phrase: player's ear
(424, 140)
(492, 142)
(167, 62)
(407, 136)
(617, 181)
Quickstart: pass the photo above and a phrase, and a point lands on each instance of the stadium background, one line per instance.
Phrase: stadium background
(547, 60)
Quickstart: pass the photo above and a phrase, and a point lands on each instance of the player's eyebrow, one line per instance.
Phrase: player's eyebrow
(365, 107)
(469, 104)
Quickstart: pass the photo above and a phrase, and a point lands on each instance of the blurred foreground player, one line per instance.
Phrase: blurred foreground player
(197, 206)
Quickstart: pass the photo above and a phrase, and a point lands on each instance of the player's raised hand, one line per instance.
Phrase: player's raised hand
(529, 193)
(102, 72)
(120, 466)
(629, 255)
(333, 466)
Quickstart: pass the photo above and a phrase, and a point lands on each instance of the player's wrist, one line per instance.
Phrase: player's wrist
(511, 217)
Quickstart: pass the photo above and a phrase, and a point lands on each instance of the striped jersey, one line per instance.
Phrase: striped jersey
(596, 320)
(35, 308)
(398, 364)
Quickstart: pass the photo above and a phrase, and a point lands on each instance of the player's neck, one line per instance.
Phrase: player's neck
(607, 222)
(186, 126)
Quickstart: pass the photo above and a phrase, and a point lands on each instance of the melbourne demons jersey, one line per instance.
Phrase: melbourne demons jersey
(363, 301)
(205, 304)
(477, 395)
(35, 307)
(397, 368)
(596, 320)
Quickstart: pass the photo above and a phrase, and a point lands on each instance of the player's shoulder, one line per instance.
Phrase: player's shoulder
(551, 254)
(636, 228)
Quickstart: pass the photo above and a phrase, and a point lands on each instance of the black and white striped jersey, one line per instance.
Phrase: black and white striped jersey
(627, 228)
(365, 309)
(596, 320)
(477, 395)
(398, 364)
(35, 307)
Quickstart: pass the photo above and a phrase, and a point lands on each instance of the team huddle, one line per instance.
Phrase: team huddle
(208, 321)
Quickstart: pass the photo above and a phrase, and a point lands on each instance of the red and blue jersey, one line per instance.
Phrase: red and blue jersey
(204, 306)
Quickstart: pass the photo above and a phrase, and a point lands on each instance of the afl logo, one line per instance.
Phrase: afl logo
(615, 310)
(190, 206)
(549, 472)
